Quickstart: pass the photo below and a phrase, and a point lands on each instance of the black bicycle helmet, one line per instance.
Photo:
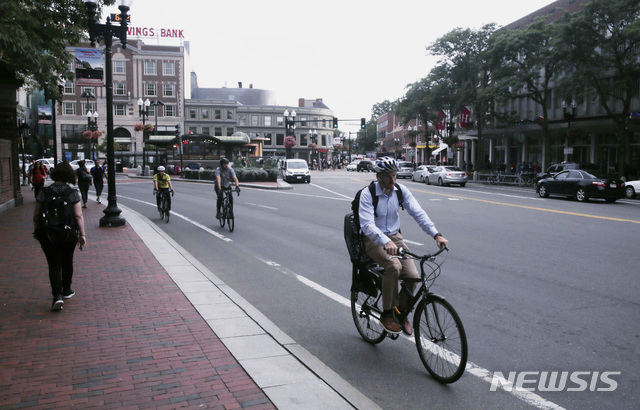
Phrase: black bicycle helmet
(223, 161)
(385, 164)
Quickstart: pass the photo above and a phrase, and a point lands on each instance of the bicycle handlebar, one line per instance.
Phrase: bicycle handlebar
(403, 252)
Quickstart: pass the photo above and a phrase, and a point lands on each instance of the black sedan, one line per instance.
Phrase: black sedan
(365, 165)
(582, 185)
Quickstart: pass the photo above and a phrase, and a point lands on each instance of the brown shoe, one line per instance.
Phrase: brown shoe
(406, 328)
(390, 324)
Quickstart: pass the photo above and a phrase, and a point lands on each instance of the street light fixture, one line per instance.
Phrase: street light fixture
(107, 31)
(569, 116)
(24, 134)
(313, 134)
(397, 142)
(143, 112)
(289, 126)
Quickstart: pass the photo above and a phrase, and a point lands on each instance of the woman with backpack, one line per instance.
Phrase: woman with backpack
(59, 226)
(84, 181)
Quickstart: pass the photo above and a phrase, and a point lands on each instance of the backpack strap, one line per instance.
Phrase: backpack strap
(400, 196)
(374, 197)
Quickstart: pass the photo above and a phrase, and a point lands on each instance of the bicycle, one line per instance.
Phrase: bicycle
(524, 179)
(439, 334)
(226, 213)
(164, 204)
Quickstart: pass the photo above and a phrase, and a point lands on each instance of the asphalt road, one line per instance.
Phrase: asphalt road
(541, 285)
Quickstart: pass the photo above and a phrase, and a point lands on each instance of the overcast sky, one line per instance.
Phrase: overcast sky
(351, 53)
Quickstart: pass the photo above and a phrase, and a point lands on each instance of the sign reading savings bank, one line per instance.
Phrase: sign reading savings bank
(154, 32)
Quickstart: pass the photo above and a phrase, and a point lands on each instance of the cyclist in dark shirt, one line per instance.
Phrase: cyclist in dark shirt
(224, 176)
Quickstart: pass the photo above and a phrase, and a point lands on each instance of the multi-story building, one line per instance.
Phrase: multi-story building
(403, 140)
(140, 72)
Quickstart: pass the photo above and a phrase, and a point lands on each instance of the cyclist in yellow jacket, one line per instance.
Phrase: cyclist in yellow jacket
(161, 183)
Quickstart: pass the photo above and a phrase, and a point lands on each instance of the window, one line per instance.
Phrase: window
(205, 113)
(267, 121)
(169, 110)
(69, 87)
(303, 139)
(279, 139)
(217, 115)
(69, 108)
(324, 140)
(119, 88)
(229, 114)
(255, 120)
(88, 107)
(120, 110)
(152, 111)
(150, 68)
(230, 131)
(193, 130)
(218, 132)
(205, 131)
(169, 90)
(150, 90)
(192, 113)
(280, 121)
(269, 139)
(119, 67)
(303, 122)
(242, 120)
(169, 68)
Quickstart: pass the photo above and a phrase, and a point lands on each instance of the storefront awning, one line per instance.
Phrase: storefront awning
(161, 140)
(236, 138)
(442, 147)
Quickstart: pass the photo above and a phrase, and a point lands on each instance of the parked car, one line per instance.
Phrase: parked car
(631, 189)
(353, 165)
(295, 170)
(555, 168)
(405, 169)
(89, 163)
(582, 185)
(48, 162)
(421, 173)
(447, 175)
(365, 165)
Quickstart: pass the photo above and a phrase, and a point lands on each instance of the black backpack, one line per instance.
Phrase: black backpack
(58, 221)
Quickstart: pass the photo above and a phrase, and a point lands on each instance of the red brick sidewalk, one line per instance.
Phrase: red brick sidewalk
(129, 338)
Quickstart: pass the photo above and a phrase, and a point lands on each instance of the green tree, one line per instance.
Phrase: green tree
(525, 63)
(382, 108)
(367, 138)
(34, 38)
(601, 45)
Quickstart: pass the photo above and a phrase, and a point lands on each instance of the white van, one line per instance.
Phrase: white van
(295, 170)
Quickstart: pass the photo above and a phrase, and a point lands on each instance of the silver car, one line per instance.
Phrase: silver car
(447, 175)
(405, 169)
(421, 173)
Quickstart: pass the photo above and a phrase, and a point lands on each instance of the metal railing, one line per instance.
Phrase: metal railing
(523, 179)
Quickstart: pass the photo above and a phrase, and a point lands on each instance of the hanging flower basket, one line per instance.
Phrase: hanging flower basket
(148, 127)
(87, 134)
(138, 127)
(289, 142)
(97, 134)
(313, 145)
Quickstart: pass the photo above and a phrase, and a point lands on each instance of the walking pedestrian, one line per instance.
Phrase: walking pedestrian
(84, 181)
(37, 177)
(98, 174)
(57, 249)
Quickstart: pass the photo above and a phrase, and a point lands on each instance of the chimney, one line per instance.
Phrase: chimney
(239, 84)
(250, 85)
(300, 102)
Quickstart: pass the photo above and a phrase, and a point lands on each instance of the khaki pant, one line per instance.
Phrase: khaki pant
(394, 269)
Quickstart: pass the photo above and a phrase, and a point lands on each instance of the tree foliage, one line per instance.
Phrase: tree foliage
(34, 38)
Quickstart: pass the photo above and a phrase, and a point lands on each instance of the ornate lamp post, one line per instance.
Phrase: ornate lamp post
(289, 126)
(24, 134)
(143, 111)
(569, 116)
(107, 31)
(313, 134)
(397, 142)
(92, 125)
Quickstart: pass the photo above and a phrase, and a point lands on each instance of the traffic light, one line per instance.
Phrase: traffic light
(335, 122)
(363, 123)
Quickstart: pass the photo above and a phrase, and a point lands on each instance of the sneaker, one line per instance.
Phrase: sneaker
(98, 199)
(390, 324)
(68, 293)
(84, 206)
(57, 303)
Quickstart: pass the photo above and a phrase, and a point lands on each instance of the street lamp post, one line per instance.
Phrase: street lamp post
(24, 133)
(180, 147)
(313, 134)
(107, 31)
(289, 127)
(155, 104)
(143, 111)
(92, 125)
(397, 142)
(569, 116)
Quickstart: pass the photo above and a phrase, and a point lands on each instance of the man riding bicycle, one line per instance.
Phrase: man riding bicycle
(224, 176)
(162, 183)
(382, 238)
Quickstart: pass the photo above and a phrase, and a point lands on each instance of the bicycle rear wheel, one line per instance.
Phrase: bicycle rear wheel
(366, 311)
(223, 214)
(166, 211)
(440, 339)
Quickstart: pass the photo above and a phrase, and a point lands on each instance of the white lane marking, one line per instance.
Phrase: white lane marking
(472, 368)
(412, 242)
(261, 206)
(333, 192)
(199, 225)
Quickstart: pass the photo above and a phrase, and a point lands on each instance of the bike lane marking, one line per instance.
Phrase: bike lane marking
(534, 208)
(199, 225)
(472, 368)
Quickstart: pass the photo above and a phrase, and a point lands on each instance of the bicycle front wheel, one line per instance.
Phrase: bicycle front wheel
(223, 215)
(440, 339)
(366, 311)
